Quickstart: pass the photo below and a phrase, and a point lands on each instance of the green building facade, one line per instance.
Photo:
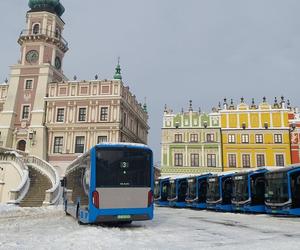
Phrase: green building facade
(191, 142)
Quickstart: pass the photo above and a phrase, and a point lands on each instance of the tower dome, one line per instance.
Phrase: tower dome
(53, 6)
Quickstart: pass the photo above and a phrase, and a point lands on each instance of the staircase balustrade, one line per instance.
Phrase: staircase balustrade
(53, 194)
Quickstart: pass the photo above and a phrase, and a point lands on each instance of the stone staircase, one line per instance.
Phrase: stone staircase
(39, 183)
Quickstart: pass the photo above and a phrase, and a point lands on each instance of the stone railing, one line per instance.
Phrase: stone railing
(17, 159)
(53, 194)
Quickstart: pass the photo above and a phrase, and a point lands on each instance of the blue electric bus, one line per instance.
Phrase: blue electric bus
(112, 182)
(197, 189)
(219, 192)
(161, 191)
(178, 191)
(249, 191)
(283, 191)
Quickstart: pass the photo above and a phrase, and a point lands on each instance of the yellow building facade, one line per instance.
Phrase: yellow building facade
(255, 135)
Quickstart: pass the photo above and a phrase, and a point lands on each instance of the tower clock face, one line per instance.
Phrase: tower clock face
(57, 63)
(32, 56)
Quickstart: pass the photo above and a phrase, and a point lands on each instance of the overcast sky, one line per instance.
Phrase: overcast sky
(172, 51)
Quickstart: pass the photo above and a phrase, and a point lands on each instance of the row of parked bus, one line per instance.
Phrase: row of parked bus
(263, 190)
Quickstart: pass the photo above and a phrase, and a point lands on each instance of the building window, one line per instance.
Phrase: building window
(231, 138)
(178, 137)
(245, 138)
(246, 161)
(195, 160)
(194, 138)
(79, 144)
(25, 112)
(211, 160)
(60, 115)
(82, 114)
(232, 160)
(57, 33)
(28, 84)
(178, 160)
(210, 137)
(36, 29)
(104, 114)
(102, 139)
(124, 119)
(260, 160)
(58, 145)
(259, 138)
(280, 160)
(278, 138)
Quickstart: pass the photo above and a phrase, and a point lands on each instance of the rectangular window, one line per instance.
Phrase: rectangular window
(102, 139)
(259, 138)
(104, 114)
(195, 160)
(211, 160)
(278, 138)
(194, 138)
(231, 138)
(82, 114)
(246, 161)
(79, 144)
(60, 115)
(178, 160)
(25, 112)
(232, 160)
(28, 84)
(260, 160)
(178, 137)
(210, 137)
(280, 160)
(245, 138)
(58, 145)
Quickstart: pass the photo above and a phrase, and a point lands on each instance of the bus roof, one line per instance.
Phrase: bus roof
(129, 144)
(285, 169)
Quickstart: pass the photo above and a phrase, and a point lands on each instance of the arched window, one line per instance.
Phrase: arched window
(36, 28)
(21, 145)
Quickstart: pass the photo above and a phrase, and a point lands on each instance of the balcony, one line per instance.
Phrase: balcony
(44, 35)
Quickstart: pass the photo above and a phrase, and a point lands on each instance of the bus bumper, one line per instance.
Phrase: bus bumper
(119, 215)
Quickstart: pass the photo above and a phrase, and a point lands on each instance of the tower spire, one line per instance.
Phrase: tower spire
(118, 75)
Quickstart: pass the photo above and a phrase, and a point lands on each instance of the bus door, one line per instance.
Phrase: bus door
(227, 187)
(202, 190)
(258, 190)
(165, 190)
(182, 190)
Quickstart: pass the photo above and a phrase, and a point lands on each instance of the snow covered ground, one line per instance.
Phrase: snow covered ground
(49, 228)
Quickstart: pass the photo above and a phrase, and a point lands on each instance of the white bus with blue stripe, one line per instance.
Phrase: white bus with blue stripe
(112, 182)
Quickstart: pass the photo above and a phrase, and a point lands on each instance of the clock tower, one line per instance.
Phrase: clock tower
(42, 51)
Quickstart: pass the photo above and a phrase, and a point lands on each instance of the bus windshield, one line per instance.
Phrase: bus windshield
(213, 191)
(276, 188)
(240, 188)
(123, 167)
(191, 189)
